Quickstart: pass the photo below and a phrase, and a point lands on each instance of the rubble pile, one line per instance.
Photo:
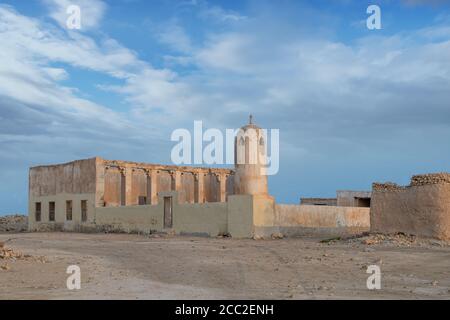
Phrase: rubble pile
(433, 178)
(9, 255)
(417, 180)
(399, 239)
(388, 186)
(13, 223)
(391, 240)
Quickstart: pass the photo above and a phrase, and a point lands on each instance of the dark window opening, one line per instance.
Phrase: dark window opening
(167, 212)
(51, 211)
(83, 210)
(363, 202)
(37, 211)
(142, 200)
(69, 210)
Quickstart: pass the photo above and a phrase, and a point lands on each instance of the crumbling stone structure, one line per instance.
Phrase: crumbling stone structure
(104, 195)
(421, 208)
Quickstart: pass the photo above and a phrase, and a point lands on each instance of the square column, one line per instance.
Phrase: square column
(152, 189)
(125, 186)
(223, 187)
(199, 182)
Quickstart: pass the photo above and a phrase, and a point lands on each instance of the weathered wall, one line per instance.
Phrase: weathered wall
(207, 219)
(346, 198)
(112, 189)
(124, 182)
(144, 218)
(321, 220)
(240, 216)
(188, 187)
(422, 209)
(73, 177)
(73, 181)
(61, 223)
(200, 218)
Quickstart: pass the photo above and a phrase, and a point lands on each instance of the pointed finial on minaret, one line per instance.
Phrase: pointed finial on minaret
(250, 119)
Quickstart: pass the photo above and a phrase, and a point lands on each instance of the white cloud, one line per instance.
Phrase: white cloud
(175, 37)
(44, 42)
(218, 14)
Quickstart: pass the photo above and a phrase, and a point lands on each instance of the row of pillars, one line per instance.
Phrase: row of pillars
(176, 185)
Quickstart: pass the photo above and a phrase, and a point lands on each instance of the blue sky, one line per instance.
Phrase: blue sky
(353, 105)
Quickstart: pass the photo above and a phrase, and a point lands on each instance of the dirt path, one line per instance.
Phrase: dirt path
(138, 267)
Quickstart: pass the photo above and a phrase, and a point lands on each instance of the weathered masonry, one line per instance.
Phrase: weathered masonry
(104, 195)
(68, 194)
(421, 208)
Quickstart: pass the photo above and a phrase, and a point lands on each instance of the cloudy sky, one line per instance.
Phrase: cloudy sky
(353, 105)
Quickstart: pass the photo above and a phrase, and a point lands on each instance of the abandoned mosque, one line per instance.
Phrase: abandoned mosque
(98, 195)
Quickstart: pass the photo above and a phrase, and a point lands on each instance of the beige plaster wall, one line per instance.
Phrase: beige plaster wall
(240, 216)
(200, 218)
(204, 219)
(60, 222)
(145, 218)
(308, 219)
(420, 210)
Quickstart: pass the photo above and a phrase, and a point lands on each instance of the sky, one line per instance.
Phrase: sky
(353, 105)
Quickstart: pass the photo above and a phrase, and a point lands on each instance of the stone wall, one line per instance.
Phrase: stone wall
(207, 219)
(105, 183)
(422, 208)
(70, 178)
(297, 220)
(346, 198)
(132, 183)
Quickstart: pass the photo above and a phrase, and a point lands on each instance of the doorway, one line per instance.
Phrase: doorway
(167, 212)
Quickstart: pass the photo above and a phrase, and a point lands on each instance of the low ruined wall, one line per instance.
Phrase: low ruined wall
(297, 220)
(423, 208)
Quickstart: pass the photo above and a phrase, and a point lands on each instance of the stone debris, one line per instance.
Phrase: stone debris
(417, 180)
(5, 267)
(9, 255)
(432, 178)
(277, 235)
(397, 239)
(14, 223)
(387, 186)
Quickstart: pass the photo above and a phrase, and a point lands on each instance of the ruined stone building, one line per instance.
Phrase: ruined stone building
(105, 195)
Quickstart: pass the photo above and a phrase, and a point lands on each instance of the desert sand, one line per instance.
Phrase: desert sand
(123, 266)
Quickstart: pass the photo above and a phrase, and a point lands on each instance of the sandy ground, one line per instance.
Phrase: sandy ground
(120, 266)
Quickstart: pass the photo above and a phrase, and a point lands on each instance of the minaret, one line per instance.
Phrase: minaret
(250, 160)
